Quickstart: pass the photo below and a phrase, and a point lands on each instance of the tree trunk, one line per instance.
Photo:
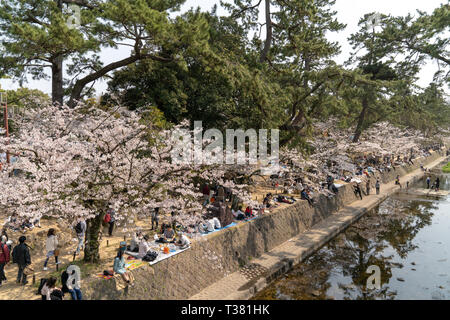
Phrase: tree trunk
(362, 116)
(57, 80)
(268, 41)
(57, 73)
(91, 251)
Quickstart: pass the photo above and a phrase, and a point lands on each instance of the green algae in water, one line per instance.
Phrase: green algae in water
(446, 169)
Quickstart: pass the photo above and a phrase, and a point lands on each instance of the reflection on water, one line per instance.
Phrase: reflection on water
(408, 239)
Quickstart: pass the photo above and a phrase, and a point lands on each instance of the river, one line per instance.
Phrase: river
(407, 237)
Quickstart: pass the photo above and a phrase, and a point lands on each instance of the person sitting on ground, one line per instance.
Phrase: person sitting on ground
(48, 288)
(183, 242)
(135, 240)
(72, 287)
(239, 215)
(216, 223)
(143, 247)
(167, 236)
(305, 196)
(119, 267)
(210, 225)
(164, 227)
(249, 212)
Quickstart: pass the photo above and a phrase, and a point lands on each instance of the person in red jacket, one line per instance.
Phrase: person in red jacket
(249, 212)
(4, 259)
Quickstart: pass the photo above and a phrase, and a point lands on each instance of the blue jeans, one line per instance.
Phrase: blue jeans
(49, 254)
(80, 237)
(76, 294)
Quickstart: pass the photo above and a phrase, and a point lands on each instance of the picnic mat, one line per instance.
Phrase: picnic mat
(101, 275)
(215, 230)
(162, 256)
(129, 265)
(134, 264)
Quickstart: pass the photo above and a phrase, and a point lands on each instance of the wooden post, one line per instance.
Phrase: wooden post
(34, 278)
(107, 243)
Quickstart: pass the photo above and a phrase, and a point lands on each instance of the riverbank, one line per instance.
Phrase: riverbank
(209, 263)
(282, 258)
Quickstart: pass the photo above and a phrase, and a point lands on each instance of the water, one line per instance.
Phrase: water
(408, 238)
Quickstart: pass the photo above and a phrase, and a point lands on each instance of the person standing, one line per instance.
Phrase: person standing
(368, 186)
(80, 229)
(5, 239)
(51, 245)
(397, 181)
(437, 184)
(21, 256)
(377, 186)
(4, 260)
(112, 220)
(428, 182)
(155, 219)
(221, 194)
(358, 190)
(206, 194)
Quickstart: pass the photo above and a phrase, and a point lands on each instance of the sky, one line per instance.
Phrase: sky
(348, 12)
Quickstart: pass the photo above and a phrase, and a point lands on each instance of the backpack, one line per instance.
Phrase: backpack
(41, 285)
(108, 273)
(107, 218)
(150, 256)
(14, 254)
(79, 228)
(56, 294)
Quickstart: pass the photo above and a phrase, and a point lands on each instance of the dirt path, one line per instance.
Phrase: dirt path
(10, 290)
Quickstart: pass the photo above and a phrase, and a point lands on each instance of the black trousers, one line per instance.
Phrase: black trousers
(111, 227)
(2, 272)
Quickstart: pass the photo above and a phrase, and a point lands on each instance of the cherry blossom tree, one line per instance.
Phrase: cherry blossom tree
(75, 163)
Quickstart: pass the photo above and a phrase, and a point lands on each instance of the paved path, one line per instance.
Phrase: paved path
(242, 285)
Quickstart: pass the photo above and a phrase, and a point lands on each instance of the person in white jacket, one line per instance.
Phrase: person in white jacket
(51, 245)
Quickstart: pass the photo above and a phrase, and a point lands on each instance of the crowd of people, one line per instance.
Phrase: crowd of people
(222, 208)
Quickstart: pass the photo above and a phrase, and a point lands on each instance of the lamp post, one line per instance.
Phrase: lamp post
(4, 104)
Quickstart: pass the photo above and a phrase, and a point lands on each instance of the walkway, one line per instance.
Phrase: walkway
(244, 283)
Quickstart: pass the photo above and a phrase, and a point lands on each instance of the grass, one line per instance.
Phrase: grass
(446, 169)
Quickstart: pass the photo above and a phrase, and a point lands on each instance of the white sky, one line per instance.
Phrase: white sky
(348, 12)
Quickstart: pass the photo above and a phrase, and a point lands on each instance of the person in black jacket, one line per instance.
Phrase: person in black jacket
(21, 256)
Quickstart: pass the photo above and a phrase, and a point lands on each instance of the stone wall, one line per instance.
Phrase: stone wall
(222, 253)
